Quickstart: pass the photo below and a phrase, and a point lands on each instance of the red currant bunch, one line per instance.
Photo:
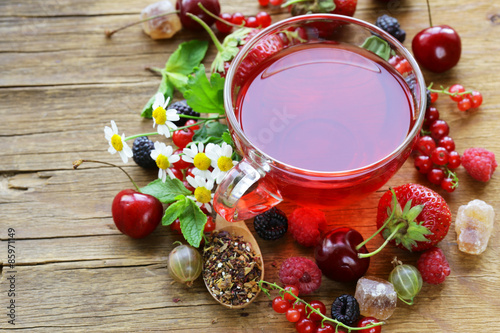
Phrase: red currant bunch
(226, 21)
(465, 99)
(435, 152)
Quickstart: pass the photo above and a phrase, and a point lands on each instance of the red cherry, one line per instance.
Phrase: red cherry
(223, 27)
(280, 305)
(368, 321)
(136, 214)
(318, 305)
(191, 6)
(182, 137)
(305, 325)
(337, 257)
(437, 48)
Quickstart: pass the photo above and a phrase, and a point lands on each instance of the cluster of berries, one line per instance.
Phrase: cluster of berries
(265, 3)
(466, 100)
(261, 20)
(435, 149)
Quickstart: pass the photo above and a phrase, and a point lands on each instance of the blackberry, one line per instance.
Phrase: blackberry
(391, 26)
(345, 309)
(183, 108)
(271, 225)
(142, 152)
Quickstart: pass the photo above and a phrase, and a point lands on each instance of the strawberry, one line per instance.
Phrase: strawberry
(345, 7)
(415, 217)
(340, 7)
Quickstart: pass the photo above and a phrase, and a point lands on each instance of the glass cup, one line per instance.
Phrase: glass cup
(259, 181)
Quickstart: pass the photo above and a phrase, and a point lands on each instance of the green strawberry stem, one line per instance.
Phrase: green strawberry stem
(282, 291)
(218, 44)
(292, 2)
(360, 245)
(77, 163)
(391, 236)
(112, 32)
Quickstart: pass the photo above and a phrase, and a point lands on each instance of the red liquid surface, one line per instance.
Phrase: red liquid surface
(325, 107)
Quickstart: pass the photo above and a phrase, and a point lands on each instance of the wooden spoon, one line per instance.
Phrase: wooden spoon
(238, 229)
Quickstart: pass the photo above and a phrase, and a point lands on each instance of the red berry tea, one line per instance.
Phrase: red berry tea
(325, 107)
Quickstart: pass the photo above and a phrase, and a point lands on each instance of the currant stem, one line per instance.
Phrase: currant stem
(77, 163)
(217, 43)
(367, 255)
(446, 92)
(299, 300)
(111, 33)
(209, 13)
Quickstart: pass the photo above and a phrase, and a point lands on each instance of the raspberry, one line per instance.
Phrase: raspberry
(271, 225)
(391, 25)
(183, 108)
(300, 272)
(433, 266)
(142, 152)
(305, 226)
(479, 163)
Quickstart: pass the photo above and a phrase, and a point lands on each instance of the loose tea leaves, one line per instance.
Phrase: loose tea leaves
(231, 268)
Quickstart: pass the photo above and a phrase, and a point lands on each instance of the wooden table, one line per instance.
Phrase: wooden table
(62, 81)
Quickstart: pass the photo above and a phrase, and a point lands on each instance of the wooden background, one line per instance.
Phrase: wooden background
(62, 81)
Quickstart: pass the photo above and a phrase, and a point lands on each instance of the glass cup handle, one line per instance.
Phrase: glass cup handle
(245, 192)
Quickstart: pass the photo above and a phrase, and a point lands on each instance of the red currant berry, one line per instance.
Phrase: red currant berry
(328, 328)
(440, 156)
(431, 115)
(263, 19)
(177, 173)
(252, 22)
(447, 142)
(192, 122)
(454, 160)
(276, 2)
(426, 145)
(318, 305)
(305, 325)
(181, 164)
(264, 3)
(477, 99)
(176, 227)
(188, 186)
(366, 321)
(435, 176)
(182, 137)
(423, 164)
(223, 27)
(280, 305)
(456, 89)
(301, 307)
(292, 315)
(464, 104)
(448, 185)
(434, 97)
(238, 18)
(294, 290)
(210, 225)
(439, 128)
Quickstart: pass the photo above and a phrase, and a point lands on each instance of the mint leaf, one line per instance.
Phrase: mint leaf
(205, 96)
(174, 211)
(187, 56)
(193, 222)
(210, 133)
(378, 46)
(166, 88)
(166, 191)
(226, 137)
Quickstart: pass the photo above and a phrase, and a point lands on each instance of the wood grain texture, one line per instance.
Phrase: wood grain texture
(62, 81)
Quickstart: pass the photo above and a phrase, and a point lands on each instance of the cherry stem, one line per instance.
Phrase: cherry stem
(282, 291)
(217, 43)
(111, 33)
(77, 163)
(209, 13)
(360, 245)
(391, 236)
(429, 12)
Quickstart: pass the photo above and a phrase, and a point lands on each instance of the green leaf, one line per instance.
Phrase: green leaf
(229, 49)
(210, 133)
(326, 6)
(166, 191)
(174, 211)
(178, 80)
(187, 56)
(166, 88)
(193, 222)
(378, 46)
(226, 137)
(205, 96)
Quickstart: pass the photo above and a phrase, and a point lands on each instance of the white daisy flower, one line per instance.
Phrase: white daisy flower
(164, 118)
(162, 154)
(195, 154)
(203, 191)
(221, 159)
(116, 142)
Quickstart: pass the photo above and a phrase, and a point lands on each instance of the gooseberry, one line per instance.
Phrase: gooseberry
(185, 264)
(407, 282)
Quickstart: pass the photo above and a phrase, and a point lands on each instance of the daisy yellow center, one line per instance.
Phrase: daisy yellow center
(162, 162)
(224, 163)
(201, 161)
(202, 195)
(116, 142)
(160, 115)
